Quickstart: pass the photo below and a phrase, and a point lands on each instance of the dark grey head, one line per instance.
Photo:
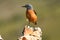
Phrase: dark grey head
(28, 6)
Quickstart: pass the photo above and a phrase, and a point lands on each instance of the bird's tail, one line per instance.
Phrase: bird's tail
(35, 23)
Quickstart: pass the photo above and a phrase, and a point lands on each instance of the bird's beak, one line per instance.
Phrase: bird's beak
(23, 6)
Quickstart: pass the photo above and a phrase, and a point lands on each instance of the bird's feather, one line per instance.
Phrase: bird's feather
(35, 12)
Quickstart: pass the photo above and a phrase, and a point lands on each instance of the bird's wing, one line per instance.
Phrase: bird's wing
(35, 12)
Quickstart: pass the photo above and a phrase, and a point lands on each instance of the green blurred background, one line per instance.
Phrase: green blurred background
(12, 18)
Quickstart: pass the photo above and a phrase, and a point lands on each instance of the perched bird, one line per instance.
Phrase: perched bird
(30, 14)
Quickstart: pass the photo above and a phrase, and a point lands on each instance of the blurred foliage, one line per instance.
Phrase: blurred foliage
(12, 18)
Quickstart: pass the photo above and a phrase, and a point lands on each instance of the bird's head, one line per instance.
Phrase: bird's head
(28, 6)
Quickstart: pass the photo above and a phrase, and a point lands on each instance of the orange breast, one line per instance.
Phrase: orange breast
(31, 16)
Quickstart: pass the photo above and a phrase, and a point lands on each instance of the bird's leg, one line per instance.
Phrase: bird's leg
(34, 25)
(28, 23)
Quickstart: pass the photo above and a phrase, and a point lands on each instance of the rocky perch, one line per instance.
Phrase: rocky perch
(30, 33)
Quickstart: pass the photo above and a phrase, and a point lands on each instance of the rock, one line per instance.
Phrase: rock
(31, 33)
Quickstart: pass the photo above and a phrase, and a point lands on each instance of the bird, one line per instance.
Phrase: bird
(30, 14)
